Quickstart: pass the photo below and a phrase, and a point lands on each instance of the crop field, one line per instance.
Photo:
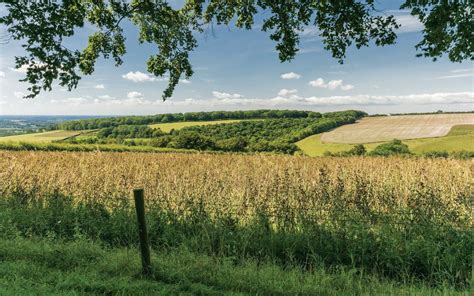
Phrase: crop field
(167, 127)
(44, 137)
(397, 219)
(380, 129)
(460, 137)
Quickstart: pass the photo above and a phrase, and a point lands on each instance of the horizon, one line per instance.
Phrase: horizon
(239, 70)
(117, 115)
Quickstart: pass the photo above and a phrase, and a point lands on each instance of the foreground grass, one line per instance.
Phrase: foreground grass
(401, 220)
(50, 267)
(167, 127)
(459, 138)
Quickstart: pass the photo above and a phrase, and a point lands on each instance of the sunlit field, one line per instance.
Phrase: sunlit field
(44, 137)
(460, 137)
(398, 219)
(167, 127)
(386, 128)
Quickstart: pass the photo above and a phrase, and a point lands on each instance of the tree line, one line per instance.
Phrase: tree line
(270, 135)
(98, 123)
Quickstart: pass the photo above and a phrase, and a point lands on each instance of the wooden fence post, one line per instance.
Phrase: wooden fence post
(144, 246)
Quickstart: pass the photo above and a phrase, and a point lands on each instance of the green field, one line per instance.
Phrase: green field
(44, 137)
(167, 127)
(81, 267)
(460, 137)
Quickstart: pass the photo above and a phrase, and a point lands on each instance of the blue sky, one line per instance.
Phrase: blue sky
(239, 69)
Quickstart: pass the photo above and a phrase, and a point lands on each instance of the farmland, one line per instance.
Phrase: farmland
(270, 223)
(380, 129)
(460, 137)
(393, 221)
(289, 132)
(42, 137)
(167, 127)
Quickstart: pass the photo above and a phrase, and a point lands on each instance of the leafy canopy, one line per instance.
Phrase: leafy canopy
(43, 26)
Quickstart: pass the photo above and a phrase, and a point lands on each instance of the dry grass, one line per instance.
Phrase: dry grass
(379, 129)
(403, 218)
(280, 186)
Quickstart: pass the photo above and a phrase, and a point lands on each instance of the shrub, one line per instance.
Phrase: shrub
(191, 140)
(233, 144)
(462, 154)
(391, 148)
(437, 154)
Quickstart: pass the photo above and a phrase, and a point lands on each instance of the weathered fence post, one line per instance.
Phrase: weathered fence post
(144, 246)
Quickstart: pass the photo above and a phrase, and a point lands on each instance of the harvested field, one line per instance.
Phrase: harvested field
(379, 129)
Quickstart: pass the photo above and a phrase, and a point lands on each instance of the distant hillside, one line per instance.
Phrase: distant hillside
(276, 131)
(379, 129)
(180, 117)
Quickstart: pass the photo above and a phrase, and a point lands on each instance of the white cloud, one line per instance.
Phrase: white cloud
(185, 81)
(2, 74)
(456, 76)
(458, 73)
(224, 95)
(106, 97)
(136, 101)
(74, 101)
(318, 83)
(462, 70)
(309, 31)
(24, 68)
(290, 75)
(134, 95)
(333, 84)
(408, 23)
(310, 50)
(285, 92)
(347, 87)
(296, 101)
(99, 86)
(19, 94)
(138, 76)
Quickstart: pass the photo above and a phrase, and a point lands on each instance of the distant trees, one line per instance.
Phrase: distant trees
(130, 131)
(192, 140)
(270, 135)
(98, 123)
(394, 147)
(277, 133)
(391, 148)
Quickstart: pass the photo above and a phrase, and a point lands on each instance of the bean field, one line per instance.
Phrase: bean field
(405, 219)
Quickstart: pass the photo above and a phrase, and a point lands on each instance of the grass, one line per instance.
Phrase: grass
(44, 137)
(41, 146)
(314, 146)
(404, 220)
(459, 130)
(38, 266)
(459, 138)
(167, 127)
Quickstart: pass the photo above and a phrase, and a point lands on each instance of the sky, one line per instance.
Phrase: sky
(239, 69)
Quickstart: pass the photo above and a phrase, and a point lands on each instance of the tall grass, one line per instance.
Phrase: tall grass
(407, 219)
